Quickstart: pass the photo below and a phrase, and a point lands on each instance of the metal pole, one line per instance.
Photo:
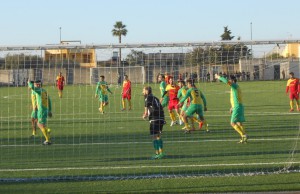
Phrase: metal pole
(251, 37)
(251, 62)
(59, 35)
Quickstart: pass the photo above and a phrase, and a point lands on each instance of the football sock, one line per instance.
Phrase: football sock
(129, 104)
(44, 131)
(291, 104)
(181, 117)
(155, 145)
(242, 128)
(160, 143)
(48, 134)
(186, 125)
(195, 120)
(192, 122)
(178, 115)
(172, 115)
(237, 129)
(123, 103)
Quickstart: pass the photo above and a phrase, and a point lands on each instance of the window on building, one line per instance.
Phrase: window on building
(86, 58)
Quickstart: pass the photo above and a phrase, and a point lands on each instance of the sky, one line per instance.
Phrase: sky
(38, 22)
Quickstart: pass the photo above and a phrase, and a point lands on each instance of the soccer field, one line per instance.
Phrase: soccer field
(116, 145)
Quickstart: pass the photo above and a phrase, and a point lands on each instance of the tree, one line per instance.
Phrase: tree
(225, 54)
(119, 31)
(227, 34)
(135, 58)
(22, 61)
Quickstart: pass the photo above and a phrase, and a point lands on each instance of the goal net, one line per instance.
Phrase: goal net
(91, 145)
(115, 75)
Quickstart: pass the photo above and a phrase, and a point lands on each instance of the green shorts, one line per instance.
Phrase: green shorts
(237, 114)
(165, 101)
(184, 107)
(194, 108)
(34, 114)
(42, 116)
(103, 98)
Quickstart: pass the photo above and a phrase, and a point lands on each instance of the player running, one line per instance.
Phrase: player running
(197, 105)
(181, 93)
(293, 86)
(101, 93)
(172, 91)
(126, 93)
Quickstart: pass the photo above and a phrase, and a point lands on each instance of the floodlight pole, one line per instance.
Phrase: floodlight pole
(59, 35)
(251, 37)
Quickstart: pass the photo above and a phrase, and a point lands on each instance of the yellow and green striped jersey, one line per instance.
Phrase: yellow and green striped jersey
(235, 92)
(196, 96)
(43, 100)
(33, 100)
(102, 88)
(182, 92)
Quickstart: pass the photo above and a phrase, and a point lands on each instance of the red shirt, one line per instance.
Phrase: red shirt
(173, 91)
(126, 87)
(60, 80)
(293, 85)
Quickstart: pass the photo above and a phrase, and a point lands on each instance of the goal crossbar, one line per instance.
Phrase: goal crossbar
(144, 45)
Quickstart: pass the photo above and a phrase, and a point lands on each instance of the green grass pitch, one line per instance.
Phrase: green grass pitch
(116, 145)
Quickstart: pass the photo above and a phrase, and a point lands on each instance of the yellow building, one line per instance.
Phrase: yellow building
(291, 50)
(84, 57)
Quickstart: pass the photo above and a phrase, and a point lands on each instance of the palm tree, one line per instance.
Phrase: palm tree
(119, 31)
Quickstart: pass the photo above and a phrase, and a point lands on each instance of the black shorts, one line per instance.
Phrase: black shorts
(156, 127)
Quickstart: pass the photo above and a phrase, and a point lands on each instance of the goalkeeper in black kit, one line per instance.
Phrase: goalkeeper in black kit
(155, 112)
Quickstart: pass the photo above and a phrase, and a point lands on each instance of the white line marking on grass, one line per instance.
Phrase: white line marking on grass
(168, 142)
(125, 118)
(146, 166)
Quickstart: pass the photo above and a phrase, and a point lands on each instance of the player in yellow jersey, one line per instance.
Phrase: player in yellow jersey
(101, 93)
(237, 107)
(44, 107)
(181, 93)
(197, 105)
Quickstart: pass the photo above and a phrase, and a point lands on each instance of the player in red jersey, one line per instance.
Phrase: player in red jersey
(172, 90)
(60, 82)
(126, 93)
(293, 86)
